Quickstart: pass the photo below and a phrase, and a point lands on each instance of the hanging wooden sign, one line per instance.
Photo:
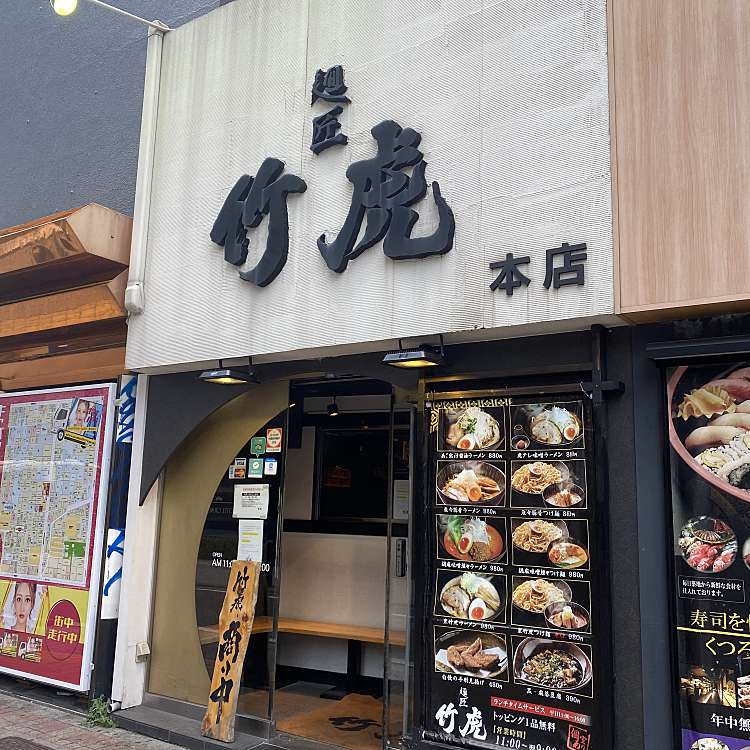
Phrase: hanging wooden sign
(235, 628)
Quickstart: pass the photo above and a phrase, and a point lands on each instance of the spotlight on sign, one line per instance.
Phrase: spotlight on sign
(228, 375)
(422, 356)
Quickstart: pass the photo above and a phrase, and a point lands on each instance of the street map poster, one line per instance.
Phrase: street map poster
(515, 596)
(54, 469)
(709, 436)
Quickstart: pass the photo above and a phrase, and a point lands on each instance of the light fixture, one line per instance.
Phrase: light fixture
(423, 355)
(64, 7)
(68, 7)
(332, 408)
(229, 375)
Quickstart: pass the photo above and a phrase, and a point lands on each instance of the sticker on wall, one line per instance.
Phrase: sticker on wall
(401, 497)
(270, 467)
(238, 469)
(250, 501)
(257, 446)
(273, 439)
(255, 468)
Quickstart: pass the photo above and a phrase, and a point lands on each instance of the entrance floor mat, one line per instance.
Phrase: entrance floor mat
(355, 722)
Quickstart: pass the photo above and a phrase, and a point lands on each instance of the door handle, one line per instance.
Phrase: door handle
(401, 561)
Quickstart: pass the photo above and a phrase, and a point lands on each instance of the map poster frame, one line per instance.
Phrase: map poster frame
(55, 449)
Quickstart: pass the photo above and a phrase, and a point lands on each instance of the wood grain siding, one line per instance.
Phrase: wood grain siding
(681, 83)
(62, 291)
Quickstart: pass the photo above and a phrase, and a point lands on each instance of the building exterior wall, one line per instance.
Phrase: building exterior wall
(73, 90)
(512, 105)
(681, 92)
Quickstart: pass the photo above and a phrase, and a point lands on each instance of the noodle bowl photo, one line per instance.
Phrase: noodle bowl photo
(548, 425)
(553, 665)
(471, 483)
(535, 595)
(473, 429)
(551, 483)
(536, 536)
(471, 538)
(534, 478)
(471, 597)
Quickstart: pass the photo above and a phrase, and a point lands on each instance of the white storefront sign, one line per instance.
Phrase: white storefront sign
(511, 101)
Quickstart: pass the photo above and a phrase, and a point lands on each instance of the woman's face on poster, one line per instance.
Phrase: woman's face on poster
(81, 412)
(23, 603)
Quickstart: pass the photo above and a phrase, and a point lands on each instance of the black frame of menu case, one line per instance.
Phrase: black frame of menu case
(599, 706)
(670, 563)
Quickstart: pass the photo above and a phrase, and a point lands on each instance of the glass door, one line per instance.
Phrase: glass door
(398, 664)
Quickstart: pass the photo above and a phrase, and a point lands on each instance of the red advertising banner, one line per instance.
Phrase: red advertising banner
(54, 468)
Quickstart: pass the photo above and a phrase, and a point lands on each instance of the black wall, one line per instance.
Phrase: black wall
(642, 687)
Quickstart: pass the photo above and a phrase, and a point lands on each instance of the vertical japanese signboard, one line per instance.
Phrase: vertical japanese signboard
(709, 434)
(54, 467)
(235, 628)
(513, 660)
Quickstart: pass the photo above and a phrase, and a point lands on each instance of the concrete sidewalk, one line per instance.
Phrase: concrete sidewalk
(23, 721)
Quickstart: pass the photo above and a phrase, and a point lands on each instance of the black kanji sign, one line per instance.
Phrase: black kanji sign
(248, 202)
(510, 276)
(329, 85)
(570, 271)
(325, 131)
(383, 194)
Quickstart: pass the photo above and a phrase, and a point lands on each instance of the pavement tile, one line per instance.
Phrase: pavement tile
(57, 729)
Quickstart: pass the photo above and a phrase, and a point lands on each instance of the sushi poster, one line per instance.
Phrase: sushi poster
(512, 655)
(709, 437)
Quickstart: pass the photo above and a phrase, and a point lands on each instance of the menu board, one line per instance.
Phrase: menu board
(54, 471)
(709, 435)
(512, 657)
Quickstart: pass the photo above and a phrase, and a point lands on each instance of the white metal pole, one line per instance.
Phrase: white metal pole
(152, 24)
(134, 292)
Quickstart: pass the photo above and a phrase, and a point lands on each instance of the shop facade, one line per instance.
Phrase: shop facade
(65, 413)
(69, 152)
(399, 346)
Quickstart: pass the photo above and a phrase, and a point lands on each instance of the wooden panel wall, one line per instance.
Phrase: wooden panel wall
(680, 80)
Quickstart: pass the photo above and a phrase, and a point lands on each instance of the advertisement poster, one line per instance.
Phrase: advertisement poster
(709, 434)
(514, 626)
(54, 467)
